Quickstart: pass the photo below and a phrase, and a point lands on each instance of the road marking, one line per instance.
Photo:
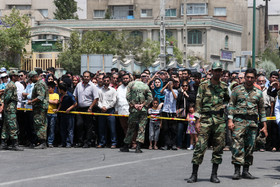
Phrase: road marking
(90, 169)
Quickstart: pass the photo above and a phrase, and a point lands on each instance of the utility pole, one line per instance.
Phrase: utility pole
(266, 22)
(162, 35)
(254, 35)
(185, 34)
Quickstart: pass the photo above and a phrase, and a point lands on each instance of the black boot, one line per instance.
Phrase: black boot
(214, 177)
(4, 145)
(246, 174)
(42, 145)
(124, 148)
(193, 177)
(138, 148)
(15, 146)
(236, 175)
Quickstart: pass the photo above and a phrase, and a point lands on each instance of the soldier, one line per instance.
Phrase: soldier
(139, 97)
(246, 105)
(10, 128)
(211, 100)
(39, 101)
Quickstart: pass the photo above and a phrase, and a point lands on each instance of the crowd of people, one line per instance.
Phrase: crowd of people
(171, 93)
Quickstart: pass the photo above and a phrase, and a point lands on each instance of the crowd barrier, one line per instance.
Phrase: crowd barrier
(118, 115)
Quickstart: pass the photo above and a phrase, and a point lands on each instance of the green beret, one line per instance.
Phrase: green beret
(31, 74)
(13, 72)
(217, 65)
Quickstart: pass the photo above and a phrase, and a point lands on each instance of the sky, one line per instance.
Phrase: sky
(273, 5)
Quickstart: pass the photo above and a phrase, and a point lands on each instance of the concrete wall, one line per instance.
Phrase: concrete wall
(260, 17)
(275, 20)
(82, 9)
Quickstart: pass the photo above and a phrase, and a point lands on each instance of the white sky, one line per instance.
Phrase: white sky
(273, 5)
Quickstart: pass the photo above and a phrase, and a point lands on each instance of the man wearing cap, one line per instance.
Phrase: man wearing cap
(10, 128)
(245, 107)
(212, 97)
(40, 102)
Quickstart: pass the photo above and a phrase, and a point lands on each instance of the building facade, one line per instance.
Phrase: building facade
(217, 30)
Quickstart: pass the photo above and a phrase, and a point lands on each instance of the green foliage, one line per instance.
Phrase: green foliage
(176, 51)
(65, 9)
(149, 52)
(271, 53)
(98, 42)
(267, 66)
(249, 63)
(70, 58)
(14, 36)
(119, 43)
(108, 14)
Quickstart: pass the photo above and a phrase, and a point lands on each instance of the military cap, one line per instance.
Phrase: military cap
(217, 65)
(13, 72)
(31, 74)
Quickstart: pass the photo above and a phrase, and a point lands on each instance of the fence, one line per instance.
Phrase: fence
(39, 60)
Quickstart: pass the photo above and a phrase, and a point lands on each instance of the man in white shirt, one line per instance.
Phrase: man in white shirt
(122, 106)
(86, 95)
(20, 114)
(106, 103)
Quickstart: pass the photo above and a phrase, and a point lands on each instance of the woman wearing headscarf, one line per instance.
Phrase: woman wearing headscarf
(158, 86)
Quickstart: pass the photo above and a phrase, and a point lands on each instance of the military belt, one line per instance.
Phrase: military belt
(209, 113)
(247, 117)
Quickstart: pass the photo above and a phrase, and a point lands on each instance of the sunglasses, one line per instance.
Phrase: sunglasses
(184, 85)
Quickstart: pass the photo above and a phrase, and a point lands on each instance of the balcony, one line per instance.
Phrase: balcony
(118, 3)
(18, 2)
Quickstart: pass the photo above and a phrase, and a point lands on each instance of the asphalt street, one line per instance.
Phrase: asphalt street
(109, 167)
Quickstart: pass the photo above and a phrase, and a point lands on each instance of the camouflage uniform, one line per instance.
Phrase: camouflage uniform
(40, 108)
(210, 104)
(10, 98)
(243, 104)
(137, 93)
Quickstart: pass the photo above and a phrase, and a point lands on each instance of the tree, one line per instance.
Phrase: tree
(65, 9)
(271, 53)
(149, 52)
(70, 58)
(14, 36)
(267, 66)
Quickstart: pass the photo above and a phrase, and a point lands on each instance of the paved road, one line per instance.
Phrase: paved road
(107, 167)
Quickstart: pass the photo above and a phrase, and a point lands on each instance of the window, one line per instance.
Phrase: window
(273, 28)
(99, 14)
(220, 11)
(194, 37)
(170, 13)
(44, 12)
(20, 7)
(226, 42)
(195, 9)
(122, 12)
(146, 13)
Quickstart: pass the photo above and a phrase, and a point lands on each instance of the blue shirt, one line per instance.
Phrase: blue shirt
(28, 90)
(169, 105)
(67, 101)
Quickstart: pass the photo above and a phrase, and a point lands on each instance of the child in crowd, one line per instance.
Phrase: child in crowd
(191, 127)
(66, 123)
(53, 102)
(155, 124)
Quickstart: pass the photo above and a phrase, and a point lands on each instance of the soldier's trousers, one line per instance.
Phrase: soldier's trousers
(136, 122)
(10, 128)
(243, 142)
(40, 123)
(217, 132)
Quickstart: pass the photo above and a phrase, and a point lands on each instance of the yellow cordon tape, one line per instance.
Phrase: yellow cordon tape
(118, 115)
